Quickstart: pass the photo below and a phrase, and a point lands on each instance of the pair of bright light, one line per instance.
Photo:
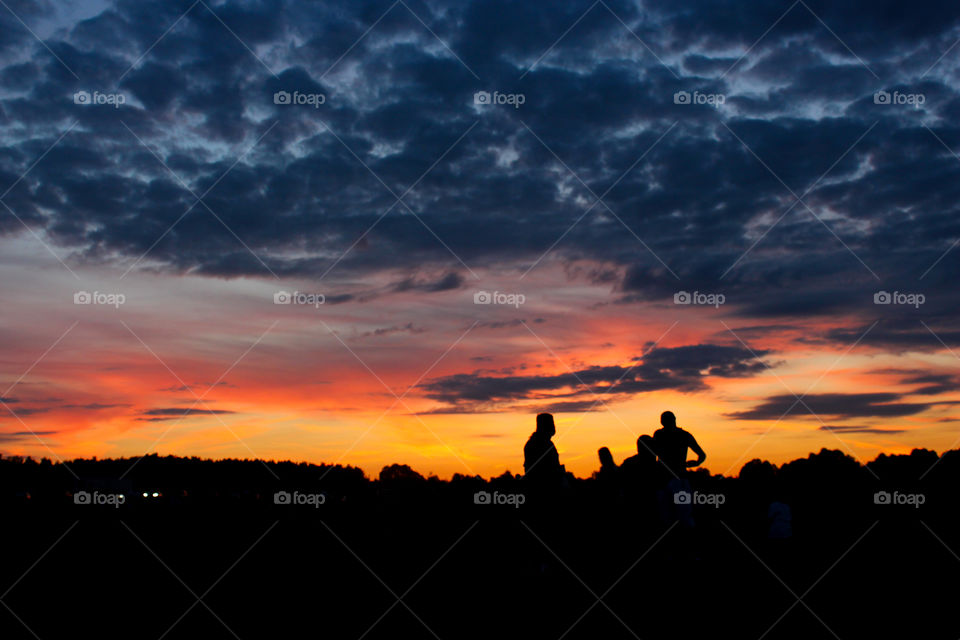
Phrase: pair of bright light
(154, 494)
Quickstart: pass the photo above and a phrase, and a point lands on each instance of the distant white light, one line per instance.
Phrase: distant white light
(145, 494)
(155, 494)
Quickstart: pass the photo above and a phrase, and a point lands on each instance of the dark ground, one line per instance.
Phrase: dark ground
(405, 557)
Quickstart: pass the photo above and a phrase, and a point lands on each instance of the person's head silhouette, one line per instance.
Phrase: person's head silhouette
(645, 447)
(606, 458)
(668, 420)
(545, 426)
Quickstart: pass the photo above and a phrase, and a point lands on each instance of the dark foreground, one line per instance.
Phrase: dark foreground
(404, 557)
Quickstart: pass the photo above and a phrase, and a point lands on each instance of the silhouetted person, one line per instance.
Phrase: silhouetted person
(642, 477)
(543, 478)
(609, 485)
(541, 462)
(642, 468)
(646, 458)
(606, 460)
(671, 444)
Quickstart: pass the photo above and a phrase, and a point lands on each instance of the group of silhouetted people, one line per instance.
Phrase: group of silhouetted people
(654, 477)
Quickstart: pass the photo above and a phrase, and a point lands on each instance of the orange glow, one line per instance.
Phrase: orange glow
(289, 389)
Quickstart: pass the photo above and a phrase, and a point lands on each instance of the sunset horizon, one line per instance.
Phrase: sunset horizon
(488, 318)
(370, 242)
(448, 385)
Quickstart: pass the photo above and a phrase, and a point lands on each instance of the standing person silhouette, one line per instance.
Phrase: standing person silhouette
(671, 443)
(543, 478)
(541, 462)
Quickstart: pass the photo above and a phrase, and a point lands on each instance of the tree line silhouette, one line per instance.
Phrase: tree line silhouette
(615, 554)
(822, 483)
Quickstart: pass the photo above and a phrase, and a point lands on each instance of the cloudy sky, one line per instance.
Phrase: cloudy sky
(374, 232)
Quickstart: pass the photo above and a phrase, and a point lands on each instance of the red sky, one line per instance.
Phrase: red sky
(109, 381)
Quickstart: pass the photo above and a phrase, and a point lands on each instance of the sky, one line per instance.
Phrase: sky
(392, 232)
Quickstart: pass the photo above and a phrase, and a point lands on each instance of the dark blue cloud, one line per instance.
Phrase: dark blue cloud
(833, 405)
(708, 190)
(681, 368)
